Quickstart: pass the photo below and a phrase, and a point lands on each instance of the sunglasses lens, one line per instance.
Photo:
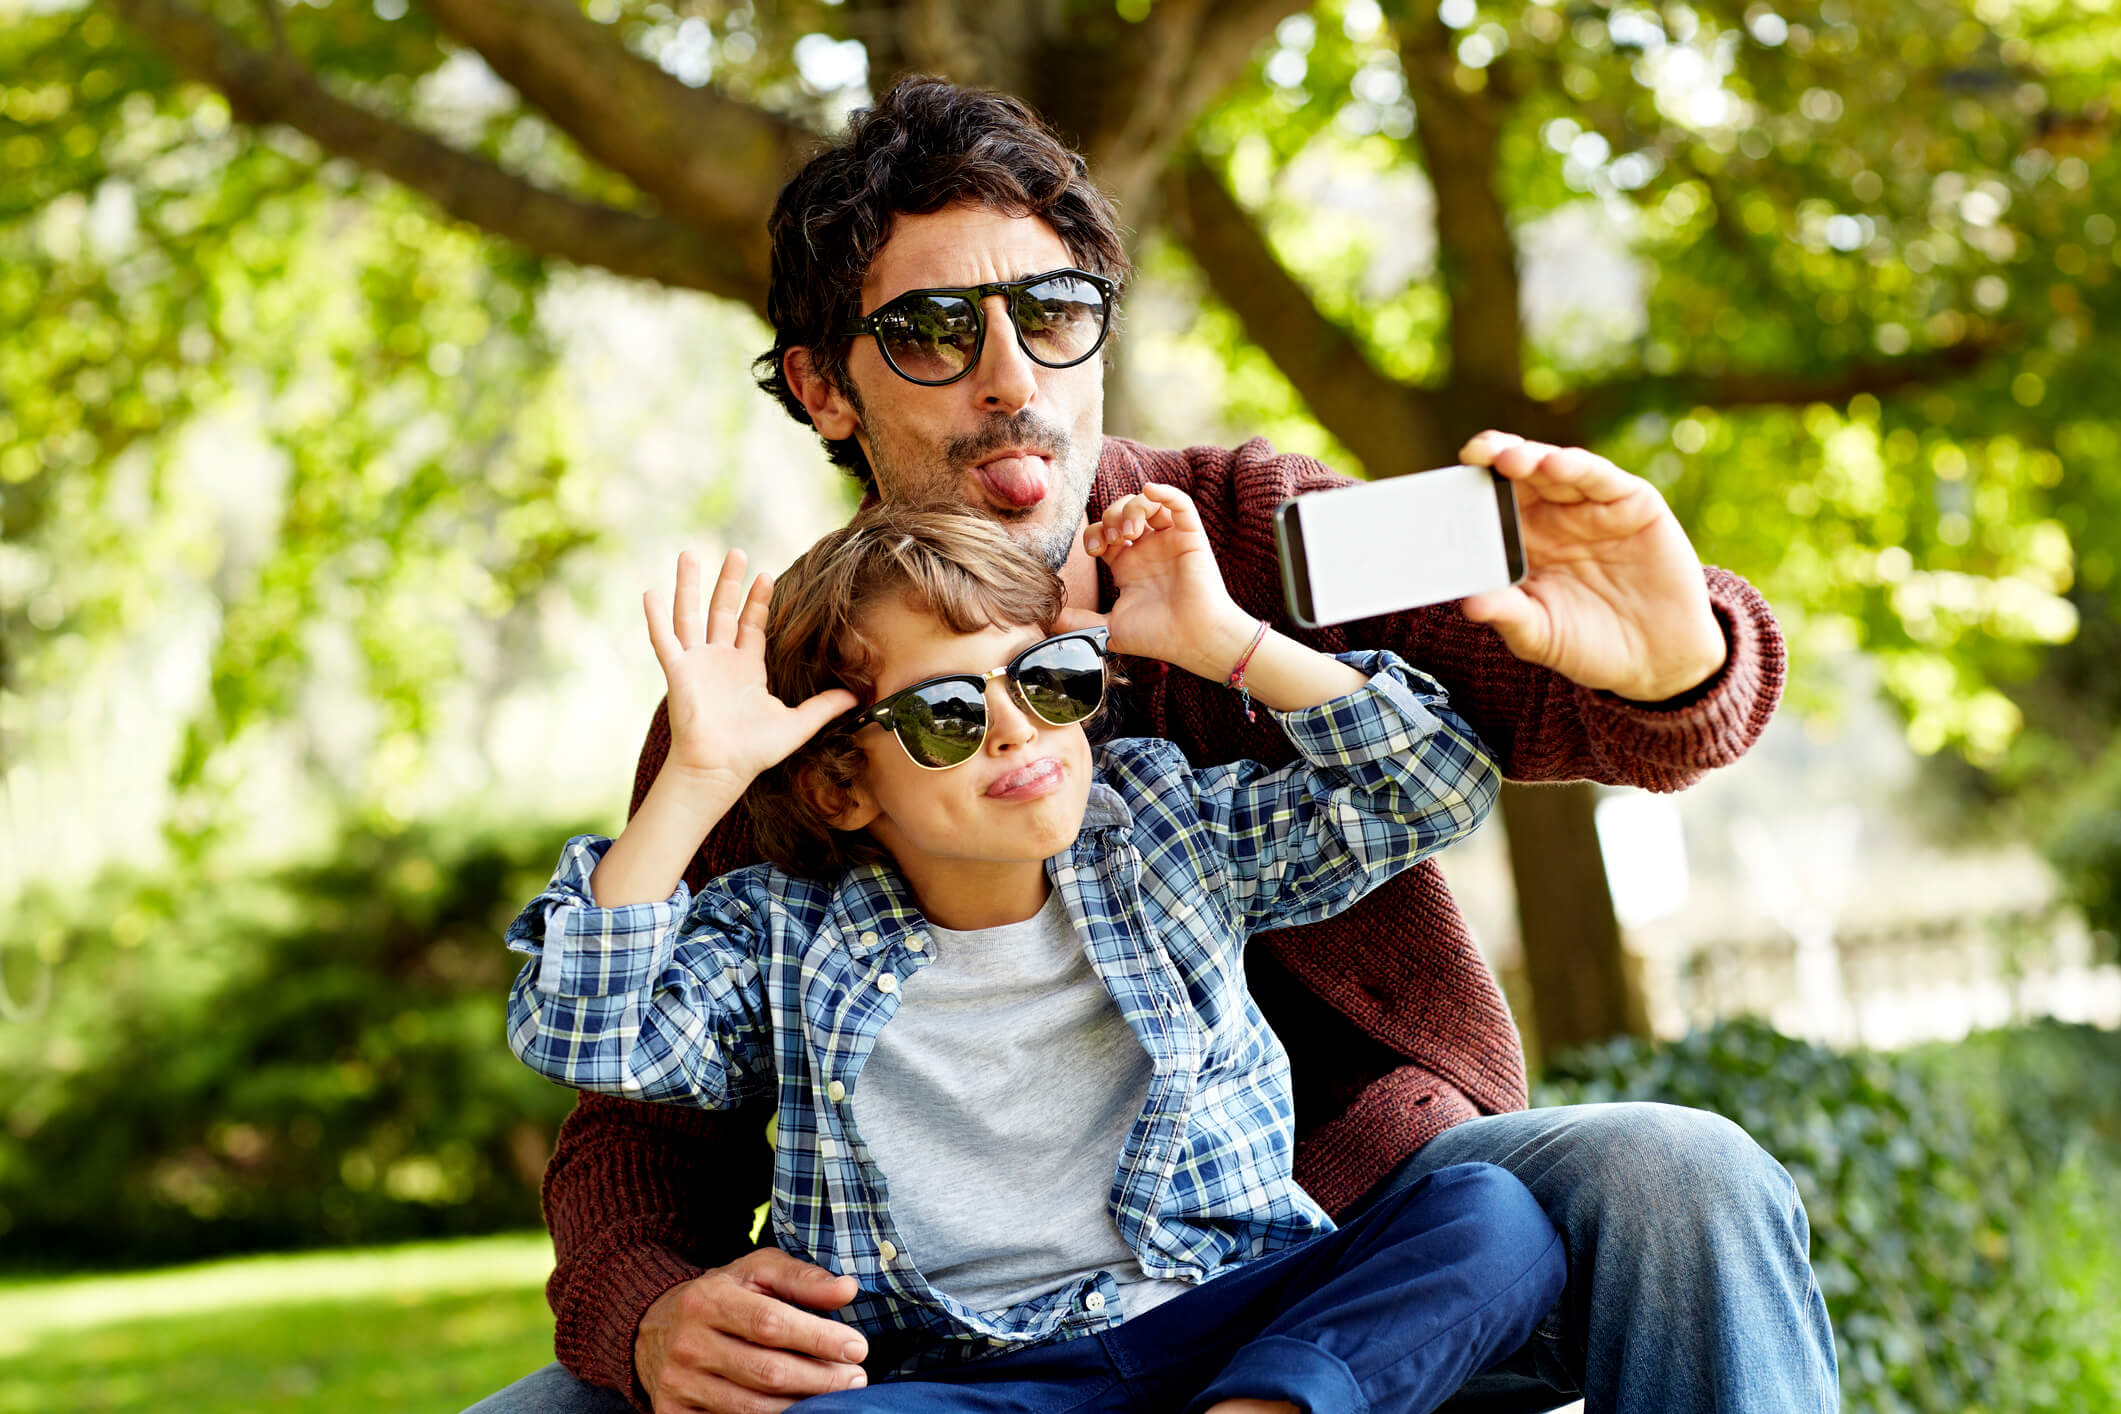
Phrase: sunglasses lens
(929, 338)
(1061, 319)
(941, 724)
(1063, 681)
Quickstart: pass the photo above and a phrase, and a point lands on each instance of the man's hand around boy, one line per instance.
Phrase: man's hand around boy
(1172, 604)
(725, 724)
(739, 1338)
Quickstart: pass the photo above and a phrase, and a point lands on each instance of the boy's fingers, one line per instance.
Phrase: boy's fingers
(1072, 619)
(1174, 509)
(667, 648)
(815, 714)
(728, 599)
(685, 613)
(751, 624)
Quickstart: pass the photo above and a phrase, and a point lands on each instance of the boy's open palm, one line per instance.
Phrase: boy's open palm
(1171, 593)
(724, 722)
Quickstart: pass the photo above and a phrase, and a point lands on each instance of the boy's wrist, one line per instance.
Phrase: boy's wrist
(708, 791)
(1223, 645)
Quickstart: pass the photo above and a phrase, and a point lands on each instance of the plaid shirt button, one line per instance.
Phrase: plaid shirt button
(835, 1092)
(869, 940)
(1095, 1301)
(887, 984)
(917, 942)
(885, 1250)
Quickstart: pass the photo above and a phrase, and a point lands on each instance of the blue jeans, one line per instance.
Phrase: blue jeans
(1689, 1284)
(1388, 1313)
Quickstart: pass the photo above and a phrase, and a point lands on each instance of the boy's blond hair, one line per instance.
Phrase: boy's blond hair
(960, 567)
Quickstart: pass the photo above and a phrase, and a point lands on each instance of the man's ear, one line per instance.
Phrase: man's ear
(831, 411)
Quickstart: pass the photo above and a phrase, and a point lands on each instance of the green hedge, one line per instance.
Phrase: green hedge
(1965, 1200)
(310, 1058)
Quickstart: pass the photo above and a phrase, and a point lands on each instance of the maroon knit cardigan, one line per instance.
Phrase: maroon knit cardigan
(1397, 1030)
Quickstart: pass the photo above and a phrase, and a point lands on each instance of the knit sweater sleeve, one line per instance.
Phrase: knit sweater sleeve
(641, 1197)
(1539, 725)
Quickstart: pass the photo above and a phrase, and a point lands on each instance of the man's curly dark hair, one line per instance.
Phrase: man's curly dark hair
(927, 144)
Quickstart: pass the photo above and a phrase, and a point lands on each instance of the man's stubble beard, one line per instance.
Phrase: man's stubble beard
(938, 479)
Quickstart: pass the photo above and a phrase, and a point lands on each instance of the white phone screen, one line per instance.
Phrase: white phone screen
(1405, 541)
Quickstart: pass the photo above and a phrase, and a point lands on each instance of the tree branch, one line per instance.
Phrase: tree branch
(1124, 92)
(1186, 51)
(1599, 404)
(273, 88)
(1390, 426)
(715, 164)
(1459, 134)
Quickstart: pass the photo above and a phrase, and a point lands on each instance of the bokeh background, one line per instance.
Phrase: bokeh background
(361, 360)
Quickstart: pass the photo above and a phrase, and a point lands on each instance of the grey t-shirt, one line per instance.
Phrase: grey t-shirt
(996, 1103)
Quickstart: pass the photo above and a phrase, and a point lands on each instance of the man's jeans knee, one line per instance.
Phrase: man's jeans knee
(552, 1390)
(1690, 1282)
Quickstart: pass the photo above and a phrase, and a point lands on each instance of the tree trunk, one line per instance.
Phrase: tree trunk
(1582, 990)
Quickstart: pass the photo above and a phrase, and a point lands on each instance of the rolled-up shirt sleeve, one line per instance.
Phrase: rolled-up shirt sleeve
(1389, 775)
(649, 1001)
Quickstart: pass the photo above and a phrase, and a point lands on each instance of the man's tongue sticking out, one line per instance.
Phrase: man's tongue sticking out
(1017, 480)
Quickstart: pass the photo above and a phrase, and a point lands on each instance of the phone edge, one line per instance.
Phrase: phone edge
(1512, 535)
(1295, 569)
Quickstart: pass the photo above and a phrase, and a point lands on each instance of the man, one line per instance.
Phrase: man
(918, 267)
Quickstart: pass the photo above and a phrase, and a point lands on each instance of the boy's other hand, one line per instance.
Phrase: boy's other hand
(736, 1339)
(1172, 604)
(725, 725)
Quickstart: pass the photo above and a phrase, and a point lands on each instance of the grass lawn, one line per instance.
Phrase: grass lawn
(429, 1327)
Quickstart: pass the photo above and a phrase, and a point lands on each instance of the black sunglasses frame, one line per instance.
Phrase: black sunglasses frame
(880, 714)
(978, 295)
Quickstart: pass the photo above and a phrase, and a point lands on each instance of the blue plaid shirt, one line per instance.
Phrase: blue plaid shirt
(768, 984)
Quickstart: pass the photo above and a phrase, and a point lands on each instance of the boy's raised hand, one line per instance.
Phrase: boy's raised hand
(1172, 603)
(724, 722)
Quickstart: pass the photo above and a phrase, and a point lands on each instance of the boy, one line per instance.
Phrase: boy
(985, 960)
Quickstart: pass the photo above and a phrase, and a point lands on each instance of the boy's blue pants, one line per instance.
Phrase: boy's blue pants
(1391, 1313)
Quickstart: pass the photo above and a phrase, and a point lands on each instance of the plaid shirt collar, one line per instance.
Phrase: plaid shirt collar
(872, 906)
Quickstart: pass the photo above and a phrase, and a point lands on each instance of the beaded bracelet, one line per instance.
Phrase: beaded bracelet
(1236, 680)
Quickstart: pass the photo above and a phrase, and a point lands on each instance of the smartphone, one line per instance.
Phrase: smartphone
(1382, 546)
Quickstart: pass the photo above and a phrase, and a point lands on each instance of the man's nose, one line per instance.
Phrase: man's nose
(1009, 726)
(1006, 380)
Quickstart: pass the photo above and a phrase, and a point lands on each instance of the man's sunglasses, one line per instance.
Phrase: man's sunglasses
(942, 721)
(933, 337)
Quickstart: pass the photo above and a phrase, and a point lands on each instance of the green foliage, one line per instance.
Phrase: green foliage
(1964, 1227)
(235, 367)
(314, 1357)
(313, 1057)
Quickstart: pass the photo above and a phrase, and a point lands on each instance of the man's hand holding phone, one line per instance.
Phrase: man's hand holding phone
(1578, 565)
(1613, 597)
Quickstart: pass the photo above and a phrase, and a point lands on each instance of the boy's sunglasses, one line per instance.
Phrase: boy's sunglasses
(933, 337)
(942, 722)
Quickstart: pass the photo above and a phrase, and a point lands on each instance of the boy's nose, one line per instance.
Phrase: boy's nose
(1009, 726)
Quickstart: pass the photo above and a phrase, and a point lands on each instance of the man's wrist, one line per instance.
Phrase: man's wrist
(1683, 686)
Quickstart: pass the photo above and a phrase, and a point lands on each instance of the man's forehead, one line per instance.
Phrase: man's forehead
(961, 245)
